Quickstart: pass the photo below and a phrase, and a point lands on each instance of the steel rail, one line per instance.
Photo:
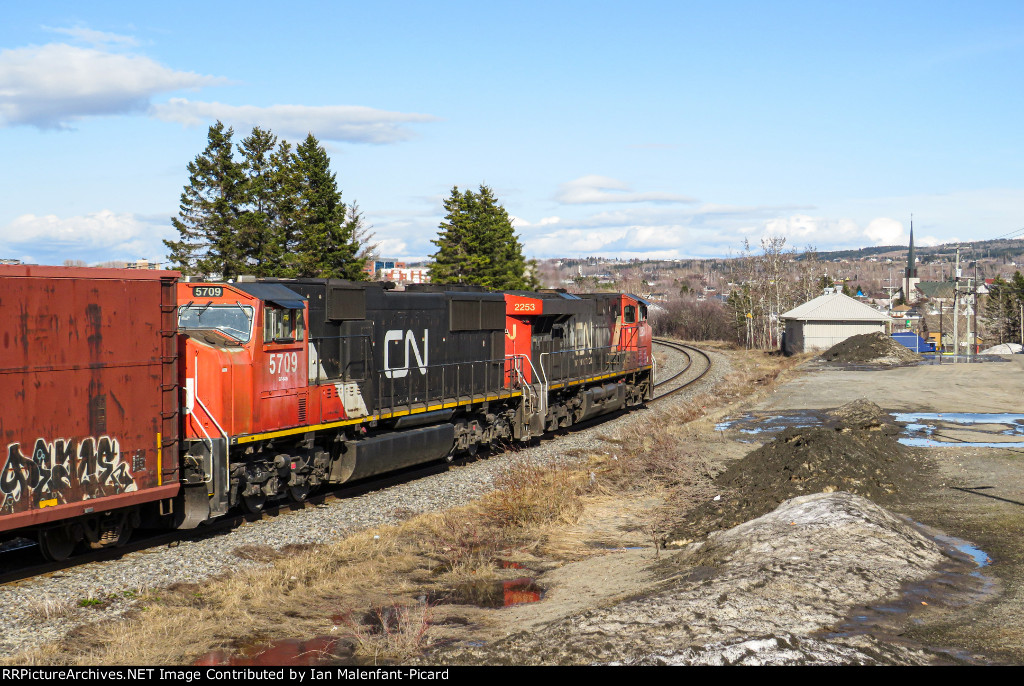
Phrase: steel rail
(689, 351)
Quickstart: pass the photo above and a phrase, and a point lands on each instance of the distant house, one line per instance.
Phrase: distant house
(829, 319)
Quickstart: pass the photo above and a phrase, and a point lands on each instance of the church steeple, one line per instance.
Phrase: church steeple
(911, 262)
(910, 279)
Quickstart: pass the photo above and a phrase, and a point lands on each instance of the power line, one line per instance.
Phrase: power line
(1011, 234)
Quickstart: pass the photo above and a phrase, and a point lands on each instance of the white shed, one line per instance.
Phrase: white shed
(828, 319)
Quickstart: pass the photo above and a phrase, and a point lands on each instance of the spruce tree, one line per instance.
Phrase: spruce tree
(286, 223)
(460, 257)
(207, 221)
(477, 244)
(326, 243)
(258, 227)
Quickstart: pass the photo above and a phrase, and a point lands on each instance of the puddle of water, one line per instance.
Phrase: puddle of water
(922, 427)
(931, 443)
(492, 594)
(1014, 421)
(321, 650)
(509, 564)
(954, 586)
(757, 423)
(961, 359)
(966, 549)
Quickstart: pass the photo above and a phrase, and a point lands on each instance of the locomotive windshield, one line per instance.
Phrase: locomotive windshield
(234, 320)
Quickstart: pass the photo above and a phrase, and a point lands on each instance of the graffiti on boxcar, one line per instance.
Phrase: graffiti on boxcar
(93, 468)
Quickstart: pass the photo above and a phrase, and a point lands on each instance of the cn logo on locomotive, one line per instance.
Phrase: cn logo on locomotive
(396, 335)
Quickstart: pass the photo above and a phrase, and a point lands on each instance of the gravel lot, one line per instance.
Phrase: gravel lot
(42, 610)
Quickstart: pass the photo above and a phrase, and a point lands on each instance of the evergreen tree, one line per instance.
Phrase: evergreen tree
(207, 220)
(477, 245)
(286, 203)
(361, 234)
(461, 255)
(326, 242)
(258, 226)
(274, 213)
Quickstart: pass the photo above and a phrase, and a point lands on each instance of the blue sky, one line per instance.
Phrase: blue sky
(663, 129)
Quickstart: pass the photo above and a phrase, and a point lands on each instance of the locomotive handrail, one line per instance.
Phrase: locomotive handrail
(542, 379)
(227, 439)
(401, 373)
(572, 356)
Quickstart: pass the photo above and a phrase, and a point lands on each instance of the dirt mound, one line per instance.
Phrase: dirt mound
(862, 414)
(760, 593)
(857, 452)
(870, 348)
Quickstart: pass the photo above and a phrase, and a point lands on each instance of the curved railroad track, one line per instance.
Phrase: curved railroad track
(22, 563)
(692, 354)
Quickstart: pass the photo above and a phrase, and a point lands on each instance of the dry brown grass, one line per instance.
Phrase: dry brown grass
(392, 631)
(390, 567)
(45, 607)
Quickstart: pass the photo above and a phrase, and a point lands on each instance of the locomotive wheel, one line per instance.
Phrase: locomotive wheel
(298, 494)
(57, 543)
(254, 503)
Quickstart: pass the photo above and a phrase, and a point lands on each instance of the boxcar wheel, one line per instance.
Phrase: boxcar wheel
(298, 494)
(57, 543)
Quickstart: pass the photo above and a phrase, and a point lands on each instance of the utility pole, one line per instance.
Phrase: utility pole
(967, 314)
(956, 307)
(974, 307)
(942, 315)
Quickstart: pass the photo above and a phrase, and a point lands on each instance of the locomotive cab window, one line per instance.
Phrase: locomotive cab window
(643, 313)
(283, 326)
(234, 320)
(629, 314)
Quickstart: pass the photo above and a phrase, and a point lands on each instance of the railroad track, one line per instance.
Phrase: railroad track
(22, 563)
(691, 354)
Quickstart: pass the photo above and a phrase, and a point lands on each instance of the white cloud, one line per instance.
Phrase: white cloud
(52, 85)
(595, 189)
(841, 234)
(886, 231)
(94, 237)
(350, 123)
(391, 247)
(103, 227)
(709, 230)
(519, 222)
(94, 38)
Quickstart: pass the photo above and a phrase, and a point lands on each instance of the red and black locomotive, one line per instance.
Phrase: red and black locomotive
(131, 398)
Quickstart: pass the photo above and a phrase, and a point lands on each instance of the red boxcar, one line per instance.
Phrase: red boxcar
(88, 401)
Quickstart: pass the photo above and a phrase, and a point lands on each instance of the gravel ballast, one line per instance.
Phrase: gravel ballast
(43, 609)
